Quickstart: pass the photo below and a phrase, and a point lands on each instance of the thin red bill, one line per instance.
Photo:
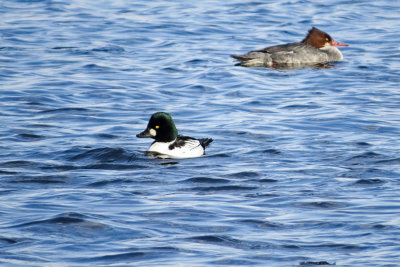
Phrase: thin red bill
(334, 43)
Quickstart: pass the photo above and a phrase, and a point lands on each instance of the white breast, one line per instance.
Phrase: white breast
(333, 53)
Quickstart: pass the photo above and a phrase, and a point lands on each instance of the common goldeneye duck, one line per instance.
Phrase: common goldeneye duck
(317, 48)
(168, 144)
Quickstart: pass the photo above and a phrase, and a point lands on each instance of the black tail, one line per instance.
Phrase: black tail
(239, 57)
(205, 142)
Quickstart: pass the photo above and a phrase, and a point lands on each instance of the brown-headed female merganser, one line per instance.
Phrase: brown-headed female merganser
(318, 47)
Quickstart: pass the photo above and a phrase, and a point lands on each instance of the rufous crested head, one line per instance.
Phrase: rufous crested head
(319, 39)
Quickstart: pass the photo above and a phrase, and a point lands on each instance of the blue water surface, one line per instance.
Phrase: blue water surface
(303, 170)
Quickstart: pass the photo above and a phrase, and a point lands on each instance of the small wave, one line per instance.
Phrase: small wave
(302, 106)
(366, 155)
(8, 240)
(322, 205)
(196, 61)
(231, 242)
(64, 47)
(389, 161)
(267, 180)
(7, 172)
(362, 144)
(219, 155)
(371, 181)
(101, 155)
(262, 195)
(10, 48)
(369, 173)
(40, 179)
(223, 188)
(65, 110)
(271, 151)
(148, 253)
(263, 224)
(96, 166)
(118, 257)
(107, 166)
(30, 137)
(60, 168)
(97, 67)
(70, 223)
(316, 263)
(107, 136)
(209, 238)
(206, 180)
(107, 182)
(334, 246)
(109, 49)
(105, 154)
(105, 49)
(171, 69)
(65, 218)
(243, 174)
(18, 164)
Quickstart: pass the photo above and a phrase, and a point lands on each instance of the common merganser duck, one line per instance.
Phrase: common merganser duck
(318, 47)
(168, 144)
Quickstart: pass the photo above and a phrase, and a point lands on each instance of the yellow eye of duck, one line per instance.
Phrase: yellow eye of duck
(157, 126)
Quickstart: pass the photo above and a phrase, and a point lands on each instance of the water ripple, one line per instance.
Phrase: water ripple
(303, 169)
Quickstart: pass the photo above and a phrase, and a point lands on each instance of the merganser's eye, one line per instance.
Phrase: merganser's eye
(157, 127)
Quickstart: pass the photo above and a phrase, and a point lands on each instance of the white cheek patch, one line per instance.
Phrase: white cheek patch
(152, 132)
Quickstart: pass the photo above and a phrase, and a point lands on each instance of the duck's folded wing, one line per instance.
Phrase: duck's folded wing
(185, 143)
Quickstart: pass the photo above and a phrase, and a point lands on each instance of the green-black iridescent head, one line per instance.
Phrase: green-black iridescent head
(161, 127)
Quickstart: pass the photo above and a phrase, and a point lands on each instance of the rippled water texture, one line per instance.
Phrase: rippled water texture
(303, 170)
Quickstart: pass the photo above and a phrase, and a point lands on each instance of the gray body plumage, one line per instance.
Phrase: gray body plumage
(295, 54)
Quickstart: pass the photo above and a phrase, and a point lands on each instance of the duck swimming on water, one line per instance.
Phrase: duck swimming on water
(167, 143)
(316, 48)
